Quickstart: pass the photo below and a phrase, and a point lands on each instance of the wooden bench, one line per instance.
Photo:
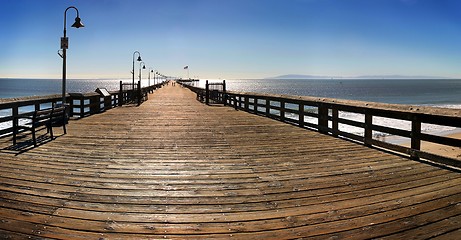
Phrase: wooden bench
(48, 118)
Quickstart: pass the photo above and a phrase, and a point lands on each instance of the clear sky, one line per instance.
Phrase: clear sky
(233, 38)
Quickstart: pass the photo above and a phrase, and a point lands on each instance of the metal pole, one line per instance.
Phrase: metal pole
(64, 73)
(149, 79)
(132, 73)
(64, 46)
(140, 70)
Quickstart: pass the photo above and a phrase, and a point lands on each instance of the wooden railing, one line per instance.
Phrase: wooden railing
(13, 107)
(324, 115)
(80, 104)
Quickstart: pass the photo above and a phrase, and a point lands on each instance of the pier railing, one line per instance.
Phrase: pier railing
(80, 104)
(327, 116)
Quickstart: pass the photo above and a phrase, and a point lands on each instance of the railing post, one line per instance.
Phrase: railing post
(235, 101)
(247, 103)
(323, 118)
(71, 106)
(120, 95)
(282, 110)
(255, 105)
(335, 122)
(415, 137)
(301, 115)
(368, 129)
(240, 101)
(82, 107)
(15, 112)
(224, 92)
(207, 93)
(95, 104)
(107, 103)
(268, 107)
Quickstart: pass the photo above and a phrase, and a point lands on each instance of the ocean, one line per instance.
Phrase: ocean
(444, 93)
(433, 92)
(13, 88)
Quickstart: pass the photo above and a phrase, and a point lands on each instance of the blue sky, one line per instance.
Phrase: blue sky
(233, 38)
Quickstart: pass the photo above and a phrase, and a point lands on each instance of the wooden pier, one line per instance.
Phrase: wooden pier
(176, 168)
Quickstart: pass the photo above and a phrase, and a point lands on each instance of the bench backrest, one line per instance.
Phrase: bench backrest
(42, 116)
(55, 114)
(58, 113)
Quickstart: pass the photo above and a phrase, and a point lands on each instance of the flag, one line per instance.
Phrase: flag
(186, 67)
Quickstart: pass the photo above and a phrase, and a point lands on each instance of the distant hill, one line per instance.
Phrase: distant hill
(302, 76)
(398, 77)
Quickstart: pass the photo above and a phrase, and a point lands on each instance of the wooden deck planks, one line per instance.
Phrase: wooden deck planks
(176, 168)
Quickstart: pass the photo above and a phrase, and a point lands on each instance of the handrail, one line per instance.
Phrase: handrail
(80, 105)
(326, 115)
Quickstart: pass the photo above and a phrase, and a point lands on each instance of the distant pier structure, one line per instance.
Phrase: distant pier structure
(158, 162)
(190, 80)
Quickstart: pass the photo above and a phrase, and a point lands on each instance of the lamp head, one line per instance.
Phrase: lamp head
(143, 66)
(139, 59)
(77, 23)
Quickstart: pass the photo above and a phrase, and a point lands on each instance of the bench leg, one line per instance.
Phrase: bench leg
(51, 132)
(64, 128)
(14, 136)
(33, 137)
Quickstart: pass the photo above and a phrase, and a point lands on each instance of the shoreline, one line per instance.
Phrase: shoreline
(446, 151)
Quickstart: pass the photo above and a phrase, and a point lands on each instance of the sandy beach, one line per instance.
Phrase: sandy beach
(447, 151)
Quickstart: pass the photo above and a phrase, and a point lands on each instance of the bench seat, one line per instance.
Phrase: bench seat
(47, 118)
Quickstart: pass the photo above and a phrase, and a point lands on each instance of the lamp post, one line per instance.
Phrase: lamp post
(142, 65)
(139, 60)
(150, 71)
(64, 46)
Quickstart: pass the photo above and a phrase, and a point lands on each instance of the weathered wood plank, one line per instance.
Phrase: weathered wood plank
(176, 168)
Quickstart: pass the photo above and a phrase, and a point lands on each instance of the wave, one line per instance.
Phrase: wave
(432, 129)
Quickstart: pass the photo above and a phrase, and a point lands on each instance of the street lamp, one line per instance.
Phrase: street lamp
(139, 60)
(64, 46)
(150, 71)
(142, 65)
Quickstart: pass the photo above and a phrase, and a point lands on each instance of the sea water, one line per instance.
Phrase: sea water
(13, 88)
(433, 92)
(445, 93)
(16, 88)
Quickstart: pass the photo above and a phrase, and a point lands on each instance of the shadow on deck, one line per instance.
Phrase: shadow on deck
(176, 168)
